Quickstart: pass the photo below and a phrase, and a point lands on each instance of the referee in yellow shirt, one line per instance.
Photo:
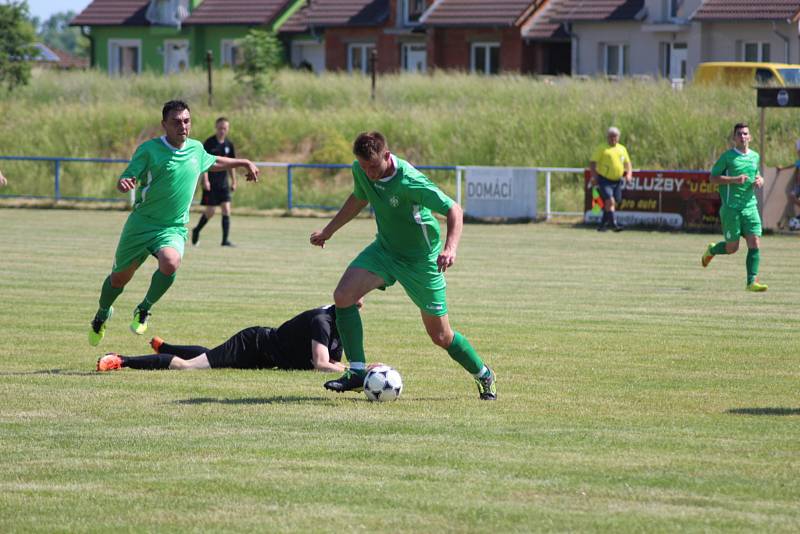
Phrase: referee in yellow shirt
(610, 163)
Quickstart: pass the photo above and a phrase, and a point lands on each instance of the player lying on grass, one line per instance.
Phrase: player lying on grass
(408, 249)
(737, 173)
(166, 170)
(307, 341)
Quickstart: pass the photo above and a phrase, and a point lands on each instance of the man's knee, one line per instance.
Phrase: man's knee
(344, 298)
(731, 247)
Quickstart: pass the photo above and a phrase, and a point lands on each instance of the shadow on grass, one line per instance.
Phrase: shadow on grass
(280, 399)
(765, 411)
(61, 372)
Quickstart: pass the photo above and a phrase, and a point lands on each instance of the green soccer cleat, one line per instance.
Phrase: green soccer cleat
(139, 323)
(707, 256)
(487, 387)
(756, 287)
(98, 329)
(349, 381)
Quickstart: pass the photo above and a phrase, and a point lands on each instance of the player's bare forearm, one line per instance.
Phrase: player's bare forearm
(228, 164)
(351, 207)
(724, 180)
(455, 225)
(321, 359)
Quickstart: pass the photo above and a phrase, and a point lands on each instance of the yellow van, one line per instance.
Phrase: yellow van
(747, 73)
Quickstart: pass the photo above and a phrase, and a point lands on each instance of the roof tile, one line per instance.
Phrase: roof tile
(748, 9)
(113, 13)
(476, 12)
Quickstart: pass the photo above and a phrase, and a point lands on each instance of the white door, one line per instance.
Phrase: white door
(415, 58)
(176, 56)
(678, 56)
(309, 55)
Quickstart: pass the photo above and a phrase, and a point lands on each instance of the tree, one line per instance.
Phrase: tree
(56, 32)
(262, 55)
(16, 44)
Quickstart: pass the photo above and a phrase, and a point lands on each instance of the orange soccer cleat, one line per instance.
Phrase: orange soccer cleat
(109, 362)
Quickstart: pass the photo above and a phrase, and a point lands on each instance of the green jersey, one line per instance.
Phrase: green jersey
(166, 178)
(735, 163)
(403, 204)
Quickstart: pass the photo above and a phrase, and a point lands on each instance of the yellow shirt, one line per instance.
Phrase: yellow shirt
(611, 161)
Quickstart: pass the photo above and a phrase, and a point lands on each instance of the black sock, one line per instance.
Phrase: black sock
(612, 215)
(187, 352)
(149, 362)
(226, 226)
(201, 223)
(605, 220)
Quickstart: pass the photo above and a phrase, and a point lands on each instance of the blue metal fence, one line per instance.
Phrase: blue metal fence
(290, 167)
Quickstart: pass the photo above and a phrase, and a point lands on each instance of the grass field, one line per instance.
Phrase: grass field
(637, 391)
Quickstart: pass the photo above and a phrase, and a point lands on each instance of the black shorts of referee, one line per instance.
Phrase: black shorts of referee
(609, 189)
(251, 348)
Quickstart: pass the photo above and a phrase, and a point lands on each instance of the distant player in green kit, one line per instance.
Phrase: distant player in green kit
(407, 249)
(164, 172)
(737, 172)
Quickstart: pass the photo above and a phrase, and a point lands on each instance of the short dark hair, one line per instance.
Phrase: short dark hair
(739, 125)
(222, 119)
(173, 105)
(369, 144)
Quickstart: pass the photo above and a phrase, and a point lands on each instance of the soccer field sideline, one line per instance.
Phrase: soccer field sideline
(637, 391)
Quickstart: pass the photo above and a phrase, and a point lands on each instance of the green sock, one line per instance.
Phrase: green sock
(753, 259)
(719, 248)
(159, 284)
(348, 323)
(462, 352)
(108, 295)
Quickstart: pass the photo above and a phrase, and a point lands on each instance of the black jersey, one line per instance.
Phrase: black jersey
(219, 180)
(292, 339)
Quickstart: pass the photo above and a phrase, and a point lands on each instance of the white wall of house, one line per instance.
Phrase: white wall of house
(726, 41)
(647, 45)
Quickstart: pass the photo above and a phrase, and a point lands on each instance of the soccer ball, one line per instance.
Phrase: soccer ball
(794, 224)
(383, 384)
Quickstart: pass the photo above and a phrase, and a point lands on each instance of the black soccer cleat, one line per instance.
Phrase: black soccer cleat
(195, 236)
(349, 381)
(228, 244)
(487, 388)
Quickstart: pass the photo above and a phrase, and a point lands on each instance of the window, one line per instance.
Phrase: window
(675, 8)
(124, 56)
(415, 58)
(413, 10)
(615, 60)
(756, 52)
(358, 57)
(231, 53)
(674, 59)
(485, 58)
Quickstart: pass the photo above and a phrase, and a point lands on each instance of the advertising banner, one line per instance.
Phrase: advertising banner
(681, 200)
(501, 192)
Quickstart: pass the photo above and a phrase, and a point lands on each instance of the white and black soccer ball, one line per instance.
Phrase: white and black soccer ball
(383, 384)
(794, 224)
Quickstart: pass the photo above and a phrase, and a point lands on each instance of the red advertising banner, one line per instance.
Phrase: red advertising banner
(683, 200)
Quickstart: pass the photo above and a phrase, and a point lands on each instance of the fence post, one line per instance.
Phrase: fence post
(547, 197)
(289, 187)
(458, 186)
(57, 182)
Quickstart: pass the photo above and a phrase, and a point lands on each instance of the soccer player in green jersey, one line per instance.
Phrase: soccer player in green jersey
(407, 249)
(737, 172)
(164, 171)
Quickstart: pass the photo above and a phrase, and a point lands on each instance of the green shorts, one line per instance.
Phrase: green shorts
(140, 239)
(421, 279)
(737, 223)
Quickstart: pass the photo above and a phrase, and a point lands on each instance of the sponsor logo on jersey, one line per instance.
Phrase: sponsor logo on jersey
(436, 307)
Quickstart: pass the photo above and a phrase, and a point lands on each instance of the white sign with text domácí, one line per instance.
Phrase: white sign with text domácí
(506, 192)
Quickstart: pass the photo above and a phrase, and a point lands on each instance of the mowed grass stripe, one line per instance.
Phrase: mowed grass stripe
(638, 391)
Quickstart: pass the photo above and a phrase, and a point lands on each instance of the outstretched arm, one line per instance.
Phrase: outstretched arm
(455, 224)
(351, 207)
(227, 164)
(321, 359)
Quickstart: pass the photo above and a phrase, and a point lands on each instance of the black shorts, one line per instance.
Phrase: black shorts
(216, 196)
(610, 188)
(251, 348)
